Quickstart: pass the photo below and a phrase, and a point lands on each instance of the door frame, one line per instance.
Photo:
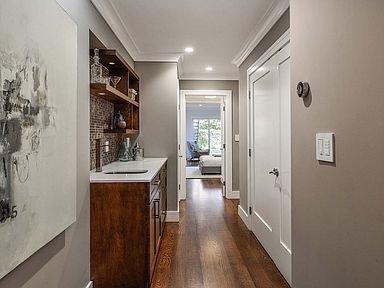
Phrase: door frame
(181, 116)
(275, 48)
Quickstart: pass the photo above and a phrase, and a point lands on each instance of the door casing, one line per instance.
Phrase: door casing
(227, 95)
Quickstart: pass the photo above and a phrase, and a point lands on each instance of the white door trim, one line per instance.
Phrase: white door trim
(244, 216)
(89, 285)
(227, 94)
(281, 42)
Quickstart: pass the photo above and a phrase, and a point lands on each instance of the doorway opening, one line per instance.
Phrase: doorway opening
(269, 161)
(205, 138)
(204, 133)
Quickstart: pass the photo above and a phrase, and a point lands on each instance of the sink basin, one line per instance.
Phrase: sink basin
(127, 172)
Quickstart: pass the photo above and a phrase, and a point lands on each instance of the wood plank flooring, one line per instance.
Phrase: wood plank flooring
(211, 247)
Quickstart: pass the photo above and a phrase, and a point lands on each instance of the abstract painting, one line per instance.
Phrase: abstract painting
(38, 111)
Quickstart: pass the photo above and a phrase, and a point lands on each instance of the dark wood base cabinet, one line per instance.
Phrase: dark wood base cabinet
(127, 223)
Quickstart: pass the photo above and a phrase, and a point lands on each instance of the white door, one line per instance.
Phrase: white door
(271, 159)
(223, 146)
(182, 161)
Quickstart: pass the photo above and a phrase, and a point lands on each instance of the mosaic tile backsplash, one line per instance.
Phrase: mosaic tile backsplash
(100, 115)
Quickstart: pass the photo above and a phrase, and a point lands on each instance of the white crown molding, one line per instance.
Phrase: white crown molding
(113, 19)
(108, 12)
(272, 15)
(158, 57)
(180, 69)
(209, 76)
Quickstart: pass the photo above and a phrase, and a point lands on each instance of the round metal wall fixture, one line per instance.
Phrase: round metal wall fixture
(302, 89)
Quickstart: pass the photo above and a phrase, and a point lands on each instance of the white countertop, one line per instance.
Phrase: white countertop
(153, 166)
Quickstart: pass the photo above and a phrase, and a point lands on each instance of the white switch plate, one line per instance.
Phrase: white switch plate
(325, 144)
(237, 137)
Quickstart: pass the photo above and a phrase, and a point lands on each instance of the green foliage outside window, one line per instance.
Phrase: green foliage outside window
(208, 134)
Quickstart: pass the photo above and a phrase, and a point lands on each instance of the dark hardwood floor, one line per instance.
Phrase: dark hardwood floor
(211, 247)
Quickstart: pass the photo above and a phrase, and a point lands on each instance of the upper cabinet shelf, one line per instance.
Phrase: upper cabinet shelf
(111, 59)
(120, 95)
(111, 94)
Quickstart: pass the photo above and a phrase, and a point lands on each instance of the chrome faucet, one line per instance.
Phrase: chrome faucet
(98, 155)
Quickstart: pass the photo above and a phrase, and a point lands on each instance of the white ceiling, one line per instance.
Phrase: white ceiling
(220, 31)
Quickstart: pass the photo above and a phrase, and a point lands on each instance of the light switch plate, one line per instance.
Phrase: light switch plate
(325, 147)
(237, 137)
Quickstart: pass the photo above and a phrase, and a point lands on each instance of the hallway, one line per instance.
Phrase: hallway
(211, 247)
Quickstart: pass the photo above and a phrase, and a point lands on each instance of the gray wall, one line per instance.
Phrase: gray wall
(337, 210)
(223, 85)
(158, 126)
(273, 35)
(64, 262)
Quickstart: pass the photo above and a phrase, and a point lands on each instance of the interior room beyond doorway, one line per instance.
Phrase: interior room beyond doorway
(204, 137)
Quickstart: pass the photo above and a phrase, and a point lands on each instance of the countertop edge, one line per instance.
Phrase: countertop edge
(162, 161)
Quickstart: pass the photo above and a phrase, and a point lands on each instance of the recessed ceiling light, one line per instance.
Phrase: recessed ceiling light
(200, 105)
(208, 68)
(188, 50)
(112, 63)
(210, 97)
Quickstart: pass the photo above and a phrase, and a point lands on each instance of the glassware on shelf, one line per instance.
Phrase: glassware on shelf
(132, 93)
(99, 73)
(138, 153)
(115, 80)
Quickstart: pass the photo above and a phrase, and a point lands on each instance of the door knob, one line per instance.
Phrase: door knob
(275, 172)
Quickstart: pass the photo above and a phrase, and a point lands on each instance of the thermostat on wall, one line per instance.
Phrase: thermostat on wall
(325, 147)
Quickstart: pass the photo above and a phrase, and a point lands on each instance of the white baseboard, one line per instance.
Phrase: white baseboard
(172, 216)
(89, 285)
(233, 195)
(244, 216)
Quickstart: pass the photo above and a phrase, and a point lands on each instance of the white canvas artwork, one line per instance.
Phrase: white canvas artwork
(38, 111)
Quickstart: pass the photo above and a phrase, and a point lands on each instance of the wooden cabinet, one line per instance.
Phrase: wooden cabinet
(127, 222)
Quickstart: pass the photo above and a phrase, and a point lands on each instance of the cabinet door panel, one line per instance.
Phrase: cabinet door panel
(157, 223)
(163, 209)
(152, 233)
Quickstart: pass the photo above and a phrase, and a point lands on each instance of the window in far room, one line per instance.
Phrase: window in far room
(207, 134)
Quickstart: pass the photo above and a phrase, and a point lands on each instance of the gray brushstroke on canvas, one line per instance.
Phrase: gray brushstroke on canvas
(20, 114)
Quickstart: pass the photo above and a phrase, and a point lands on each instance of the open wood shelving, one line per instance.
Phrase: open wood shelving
(119, 96)
(107, 92)
(122, 131)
